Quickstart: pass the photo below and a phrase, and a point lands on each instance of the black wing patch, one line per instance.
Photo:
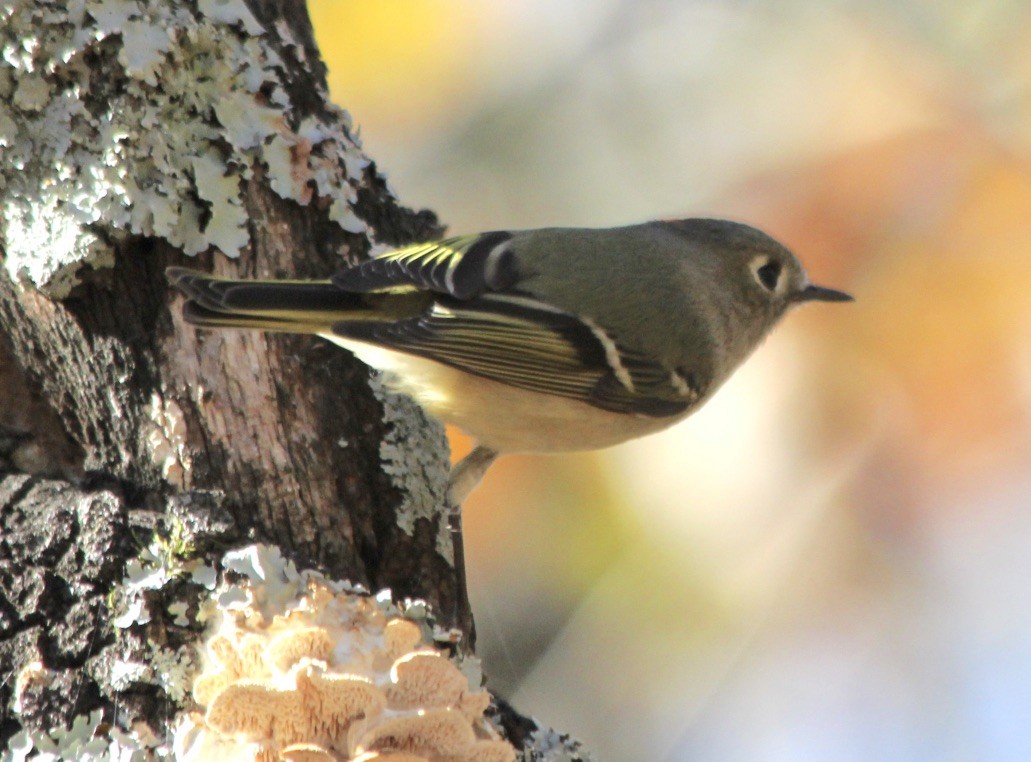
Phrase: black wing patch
(462, 267)
(275, 300)
(528, 345)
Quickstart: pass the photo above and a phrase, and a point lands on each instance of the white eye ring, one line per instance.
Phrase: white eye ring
(769, 274)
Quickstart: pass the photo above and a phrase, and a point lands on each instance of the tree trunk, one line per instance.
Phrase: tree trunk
(195, 134)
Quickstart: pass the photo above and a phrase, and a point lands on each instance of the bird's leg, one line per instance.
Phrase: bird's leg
(467, 473)
(464, 478)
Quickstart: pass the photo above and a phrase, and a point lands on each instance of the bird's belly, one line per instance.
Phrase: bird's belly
(509, 419)
(500, 416)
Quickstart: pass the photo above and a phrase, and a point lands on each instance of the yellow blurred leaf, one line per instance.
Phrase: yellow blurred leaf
(397, 64)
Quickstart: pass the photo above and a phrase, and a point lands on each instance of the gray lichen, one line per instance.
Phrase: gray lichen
(547, 745)
(88, 738)
(415, 455)
(145, 117)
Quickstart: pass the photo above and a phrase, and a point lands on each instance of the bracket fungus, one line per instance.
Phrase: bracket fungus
(332, 674)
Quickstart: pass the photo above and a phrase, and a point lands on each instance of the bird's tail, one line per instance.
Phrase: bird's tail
(267, 305)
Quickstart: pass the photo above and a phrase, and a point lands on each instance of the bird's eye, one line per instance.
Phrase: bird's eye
(768, 274)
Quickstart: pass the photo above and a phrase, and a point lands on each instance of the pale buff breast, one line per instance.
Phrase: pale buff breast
(502, 417)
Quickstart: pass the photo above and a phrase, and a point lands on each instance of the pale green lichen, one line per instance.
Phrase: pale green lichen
(172, 671)
(166, 559)
(547, 745)
(156, 139)
(231, 12)
(178, 611)
(88, 738)
(415, 455)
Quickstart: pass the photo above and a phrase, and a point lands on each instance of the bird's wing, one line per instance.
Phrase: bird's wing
(519, 341)
(462, 267)
(280, 305)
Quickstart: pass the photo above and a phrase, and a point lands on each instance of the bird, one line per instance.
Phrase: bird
(547, 340)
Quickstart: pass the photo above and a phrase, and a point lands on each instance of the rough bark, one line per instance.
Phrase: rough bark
(117, 420)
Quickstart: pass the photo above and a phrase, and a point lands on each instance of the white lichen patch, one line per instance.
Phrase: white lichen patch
(299, 667)
(165, 560)
(171, 671)
(545, 744)
(414, 454)
(166, 438)
(231, 12)
(125, 674)
(178, 611)
(88, 738)
(125, 116)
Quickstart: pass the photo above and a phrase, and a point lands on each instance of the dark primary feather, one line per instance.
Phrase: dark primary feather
(227, 295)
(283, 305)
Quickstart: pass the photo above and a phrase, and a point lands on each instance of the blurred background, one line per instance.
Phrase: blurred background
(832, 560)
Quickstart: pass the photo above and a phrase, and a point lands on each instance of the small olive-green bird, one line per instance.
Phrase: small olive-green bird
(540, 340)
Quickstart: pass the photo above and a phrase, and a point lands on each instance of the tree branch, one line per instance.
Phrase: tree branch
(138, 136)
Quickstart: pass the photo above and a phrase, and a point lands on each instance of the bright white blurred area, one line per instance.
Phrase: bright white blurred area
(830, 561)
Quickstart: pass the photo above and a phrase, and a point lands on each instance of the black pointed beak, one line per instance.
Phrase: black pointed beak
(813, 293)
